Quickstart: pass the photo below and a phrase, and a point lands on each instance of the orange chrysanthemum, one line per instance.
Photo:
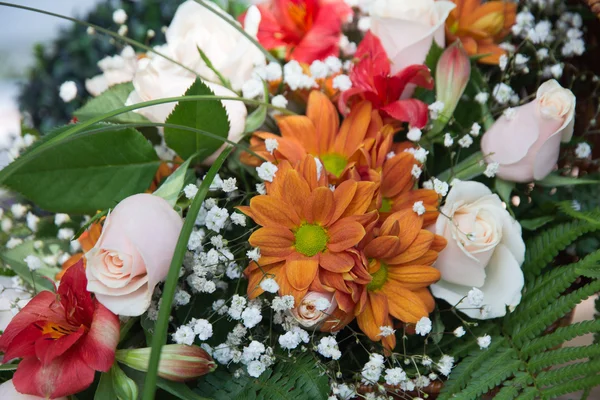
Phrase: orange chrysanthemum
(401, 254)
(319, 134)
(398, 188)
(480, 27)
(308, 236)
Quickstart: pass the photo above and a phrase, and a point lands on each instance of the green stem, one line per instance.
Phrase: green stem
(468, 168)
(162, 323)
(106, 32)
(241, 30)
(13, 167)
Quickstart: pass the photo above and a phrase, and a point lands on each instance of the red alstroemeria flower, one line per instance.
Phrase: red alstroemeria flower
(371, 80)
(309, 30)
(62, 338)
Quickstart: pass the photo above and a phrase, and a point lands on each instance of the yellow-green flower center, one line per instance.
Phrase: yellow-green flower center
(379, 278)
(386, 205)
(334, 163)
(311, 239)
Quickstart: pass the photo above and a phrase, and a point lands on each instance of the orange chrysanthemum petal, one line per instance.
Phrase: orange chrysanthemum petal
(404, 304)
(273, 241)
(301, 271)
(344, 234)
(414, 276)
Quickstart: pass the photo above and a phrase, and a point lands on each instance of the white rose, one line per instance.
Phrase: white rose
(230, 52)
(116, 69)
(159, 78)
(407, 28)
(309, 312)
(485, 250)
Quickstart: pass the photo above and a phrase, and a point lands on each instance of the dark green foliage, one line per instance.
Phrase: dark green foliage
(296, 379)
(525, 361)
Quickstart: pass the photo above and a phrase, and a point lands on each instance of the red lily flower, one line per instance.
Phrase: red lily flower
(371, 80)
(62, 338)
(308, 29)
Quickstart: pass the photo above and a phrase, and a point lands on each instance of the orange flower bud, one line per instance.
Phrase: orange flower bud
(178, 362)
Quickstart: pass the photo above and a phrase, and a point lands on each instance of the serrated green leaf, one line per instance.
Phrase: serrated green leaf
(112, 99)
(87, 172)
(209, 116)
(174, 184)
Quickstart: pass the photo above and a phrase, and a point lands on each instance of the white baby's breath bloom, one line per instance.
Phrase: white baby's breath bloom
(364, 24)
(491, 169)
(475, 129)
(322, 304)
(203, 329)
(184, 335)
(556, 70)
(32, 221)
(318, 69)
(33, 262)
(423, 326)
(459, 332)
(220, 307)
(18, 210)
(482, 97)
(342, 82)
(190, 191)
(238, 219)
(448, 141)
(122, 31)
(372, 369)
(583, 150)
(386, 331)
(229, 185)
(420, 154)
(266, 171)
(502, 93)
(181, 297)
(509, 113)
(252, 88)
(466, 141)
(60, 219)
(475, 297)
(273, 72)
(414, 134)
(68, 91)
(256, 368)
(328, 348)
(260, 188)
(419, 208)
(271, 145)
(13, 242)
(334, 64)
(416, 171)
(269, 285)
(389, 155)
(279, 101)
(282, 303)
(394, 376)
(440, 187)
(119, 16)
(484, 341)
(435, 109)
(251, 317)
(216, 218)
(445, 364)
(65, 233)
(253, 254)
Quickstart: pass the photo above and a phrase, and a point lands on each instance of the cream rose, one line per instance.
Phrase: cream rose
(485, 251)
(8, 392)
(526, 140)
(407, 28)
(314, 308)
(230, 52)
(133, 254)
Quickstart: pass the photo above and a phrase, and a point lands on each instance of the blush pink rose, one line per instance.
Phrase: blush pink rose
(314, 308)
(133, 253)
(8, 392)
(407, 28)
(526, 141)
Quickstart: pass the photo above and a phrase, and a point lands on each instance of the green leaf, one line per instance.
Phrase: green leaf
(535, 223)
(110, 100)
(435, 52)
(209, 116)
(36, 279)
(87, 172)
(115, 384)
(224, 81)
(8, 367)
(469, 168)
(554, 180)
(179, 389)
(172, 187)
(437, 331)
(105, 390)
(504, 189)
(258, 116)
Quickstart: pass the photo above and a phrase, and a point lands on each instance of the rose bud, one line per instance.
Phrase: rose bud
(451, 77)
(178, 362)
(525, 140)
(314, 308)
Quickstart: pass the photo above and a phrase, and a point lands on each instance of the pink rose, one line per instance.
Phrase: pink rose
(407, 28)
(526, 140)
(314, 308)
(133, 253)
(8, 392)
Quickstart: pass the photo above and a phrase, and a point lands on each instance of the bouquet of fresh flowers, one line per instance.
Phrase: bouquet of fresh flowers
(311, 199)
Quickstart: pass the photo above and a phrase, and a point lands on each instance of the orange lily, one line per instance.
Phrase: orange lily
(401, 254)
(308, 234)
(319, 134)
(480, 27)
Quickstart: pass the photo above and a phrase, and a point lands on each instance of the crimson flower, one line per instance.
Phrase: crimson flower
(309, 30)
(371, 80)
(62, 338)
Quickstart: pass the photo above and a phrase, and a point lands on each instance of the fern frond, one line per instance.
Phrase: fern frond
(560, 356)
(542, 249)
(560, 336)
(568, 372)
(571, 386)
(463, 372)
(512, 388)
(529, 329)
(591, 216)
